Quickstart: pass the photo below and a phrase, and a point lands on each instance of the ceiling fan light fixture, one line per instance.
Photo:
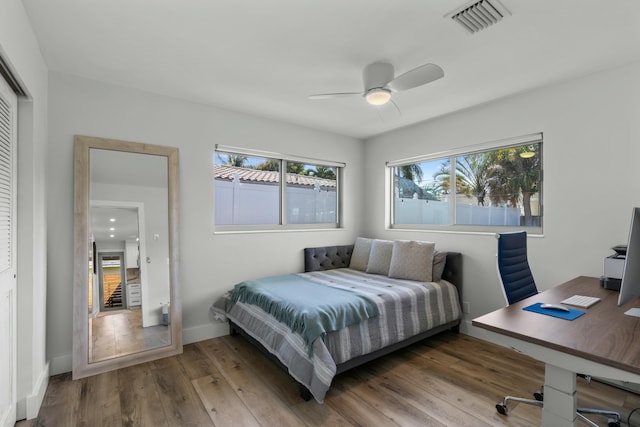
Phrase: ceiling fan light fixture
(378, 96)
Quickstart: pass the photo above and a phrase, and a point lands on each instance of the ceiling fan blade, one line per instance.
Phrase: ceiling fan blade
(417, 77)
(334, 95)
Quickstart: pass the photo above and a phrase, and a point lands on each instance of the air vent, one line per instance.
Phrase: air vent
(478, 15)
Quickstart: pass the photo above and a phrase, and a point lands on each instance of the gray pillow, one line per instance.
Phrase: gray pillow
(412, 260)
(360, 255)
(380, 257)
(439, 260)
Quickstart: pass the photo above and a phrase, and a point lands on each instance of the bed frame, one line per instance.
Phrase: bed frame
(330, 257)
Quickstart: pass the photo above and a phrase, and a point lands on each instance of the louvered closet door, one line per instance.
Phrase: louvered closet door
(8, 294)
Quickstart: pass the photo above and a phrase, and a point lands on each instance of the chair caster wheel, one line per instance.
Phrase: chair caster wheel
(538, 396)
(613, 423)
(501, 408)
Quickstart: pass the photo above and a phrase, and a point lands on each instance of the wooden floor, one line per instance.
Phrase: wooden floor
(448, 380)
(120, 332)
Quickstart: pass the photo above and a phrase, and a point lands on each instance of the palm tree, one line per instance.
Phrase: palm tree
(514, 176)
(412, 172)
(442, 178)
(405, 180)
(233, 160)
(472, 176)
(323, 172)
(296, 168)
(269, 165)
(505, 176)
(473, 170)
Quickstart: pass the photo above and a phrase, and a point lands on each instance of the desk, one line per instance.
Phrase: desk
(603, 342)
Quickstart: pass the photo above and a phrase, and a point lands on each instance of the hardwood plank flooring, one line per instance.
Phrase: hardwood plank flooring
(120, 332)
(446, 380)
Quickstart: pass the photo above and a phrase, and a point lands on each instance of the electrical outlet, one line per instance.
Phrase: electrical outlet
(466, 307)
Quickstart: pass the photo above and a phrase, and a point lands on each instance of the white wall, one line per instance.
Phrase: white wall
(20, 50)
(591, 181)
(210, 264)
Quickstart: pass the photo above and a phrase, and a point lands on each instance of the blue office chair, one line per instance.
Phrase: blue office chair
(513, 267)
(517, 284)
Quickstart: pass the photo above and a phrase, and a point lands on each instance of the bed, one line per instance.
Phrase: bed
(397, 293)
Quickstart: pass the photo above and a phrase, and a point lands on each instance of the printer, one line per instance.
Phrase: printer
(613, 267)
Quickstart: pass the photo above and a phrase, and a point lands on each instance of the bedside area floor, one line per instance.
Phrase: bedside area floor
(447, 380)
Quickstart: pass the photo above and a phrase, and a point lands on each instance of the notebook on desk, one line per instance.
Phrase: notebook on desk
(581, 301)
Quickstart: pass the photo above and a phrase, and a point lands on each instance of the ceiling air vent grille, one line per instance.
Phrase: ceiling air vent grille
(478, 15)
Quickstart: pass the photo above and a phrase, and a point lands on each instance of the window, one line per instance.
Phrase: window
(494, 185)
(257, 190)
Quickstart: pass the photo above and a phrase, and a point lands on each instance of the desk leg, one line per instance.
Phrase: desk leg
(560, 400)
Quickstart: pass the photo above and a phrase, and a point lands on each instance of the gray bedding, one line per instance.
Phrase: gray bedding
(406, 308)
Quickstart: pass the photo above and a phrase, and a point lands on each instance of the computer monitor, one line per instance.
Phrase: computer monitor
(630, 286)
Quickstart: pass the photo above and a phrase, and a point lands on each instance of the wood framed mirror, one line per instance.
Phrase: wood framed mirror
(126, 297)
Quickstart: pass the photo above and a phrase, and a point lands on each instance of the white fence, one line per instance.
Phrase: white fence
(251, 203)
(415, 211)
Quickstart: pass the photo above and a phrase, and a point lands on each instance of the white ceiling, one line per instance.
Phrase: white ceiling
(265, 57)
(121, 223)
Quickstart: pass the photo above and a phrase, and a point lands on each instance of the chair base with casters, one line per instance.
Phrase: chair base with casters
(518, 283)
(613, 419)
(504, 410)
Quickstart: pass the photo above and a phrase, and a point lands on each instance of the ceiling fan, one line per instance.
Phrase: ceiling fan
(379, 82)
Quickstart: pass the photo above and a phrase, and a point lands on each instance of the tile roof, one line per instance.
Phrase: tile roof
(245, 174)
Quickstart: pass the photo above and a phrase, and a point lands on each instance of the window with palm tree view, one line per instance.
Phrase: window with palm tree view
(249, 191)
(498, 187)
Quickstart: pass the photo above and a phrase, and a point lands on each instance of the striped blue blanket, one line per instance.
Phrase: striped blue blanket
(307, 307)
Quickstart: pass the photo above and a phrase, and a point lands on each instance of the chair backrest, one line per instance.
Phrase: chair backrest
(513, 267)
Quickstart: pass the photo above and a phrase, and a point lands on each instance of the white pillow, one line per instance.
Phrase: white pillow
(380, 257)
(439, 261)
(360, 255)
(412, 260)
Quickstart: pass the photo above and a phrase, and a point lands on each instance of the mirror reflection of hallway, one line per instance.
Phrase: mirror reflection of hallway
(125, 315)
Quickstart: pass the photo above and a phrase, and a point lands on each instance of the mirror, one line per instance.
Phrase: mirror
(126, 302)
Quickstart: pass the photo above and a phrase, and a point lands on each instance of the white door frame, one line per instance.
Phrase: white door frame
(8, 283)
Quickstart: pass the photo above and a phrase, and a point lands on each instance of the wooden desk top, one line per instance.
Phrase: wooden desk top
(604, 334)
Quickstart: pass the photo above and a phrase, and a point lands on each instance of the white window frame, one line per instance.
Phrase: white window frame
(282, 226)
(535, 138)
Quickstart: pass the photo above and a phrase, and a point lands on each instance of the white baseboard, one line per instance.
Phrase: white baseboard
(464, 326)
(60, 364)
(204, 332)
(29, 406)
(34, 400)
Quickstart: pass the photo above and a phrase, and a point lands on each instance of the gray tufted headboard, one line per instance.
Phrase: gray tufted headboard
(329, 257)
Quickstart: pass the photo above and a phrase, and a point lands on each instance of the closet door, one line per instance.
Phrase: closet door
(8, 293)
